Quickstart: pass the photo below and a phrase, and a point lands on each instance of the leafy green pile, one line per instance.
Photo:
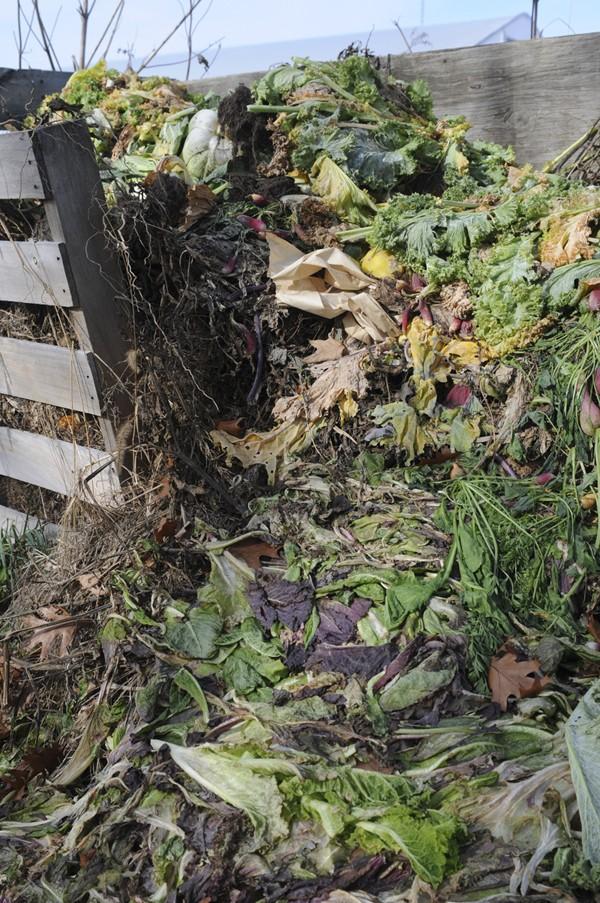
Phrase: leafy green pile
(381, 133)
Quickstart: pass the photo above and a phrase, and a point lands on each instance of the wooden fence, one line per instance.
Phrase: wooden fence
(537, 95)
(76, 272)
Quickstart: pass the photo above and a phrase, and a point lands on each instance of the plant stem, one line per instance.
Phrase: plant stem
(564, 155)
(597, 463)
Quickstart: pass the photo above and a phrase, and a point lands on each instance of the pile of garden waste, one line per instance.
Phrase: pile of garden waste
(342, 641)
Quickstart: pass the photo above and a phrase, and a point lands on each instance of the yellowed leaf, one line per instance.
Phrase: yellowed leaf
(427, 352)
(466, 353)
(273, 449)
(567, 239)
(379, 264)
(47, 636)
(425, 397)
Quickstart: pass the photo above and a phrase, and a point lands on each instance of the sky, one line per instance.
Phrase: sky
(240, 22)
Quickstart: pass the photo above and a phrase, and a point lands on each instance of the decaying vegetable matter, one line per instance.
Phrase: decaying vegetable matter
(341, 641)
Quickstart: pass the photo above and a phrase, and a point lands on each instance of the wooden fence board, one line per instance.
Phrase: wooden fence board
(76, 215)
(57, 465)
(538, 95)
(48, 373)
(19, 173)
(22, 90)
(19, 522)
(34, 272)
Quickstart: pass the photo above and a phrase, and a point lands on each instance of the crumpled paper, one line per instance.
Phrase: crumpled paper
(328, 283)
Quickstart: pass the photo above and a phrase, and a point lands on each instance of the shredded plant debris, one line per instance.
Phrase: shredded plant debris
(340, 642)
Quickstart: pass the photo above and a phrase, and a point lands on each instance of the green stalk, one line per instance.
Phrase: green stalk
(354, 234)
(564, 155)
(325, 106)
(597, 463)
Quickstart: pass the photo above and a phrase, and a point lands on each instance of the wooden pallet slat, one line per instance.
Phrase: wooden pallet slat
(48, 373)
(35, 272)
(20, 522)
(20, 177)
(58, 465)
(70, 172)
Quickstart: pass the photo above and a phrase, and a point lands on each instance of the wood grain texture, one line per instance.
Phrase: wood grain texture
(19, 173)
(34, 272)
(22, 90)
(59, 466)
(537, 95)
(48, 373)
(76, 214)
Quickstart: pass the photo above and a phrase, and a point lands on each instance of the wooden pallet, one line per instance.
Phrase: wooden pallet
(76, 271)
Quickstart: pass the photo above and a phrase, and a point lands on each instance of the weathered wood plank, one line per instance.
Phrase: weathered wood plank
(18, 522)
(57, 465)
(34, 272)
(22, 90)
(537, 95)
(19, 173)
(76, 214)
(48, 373)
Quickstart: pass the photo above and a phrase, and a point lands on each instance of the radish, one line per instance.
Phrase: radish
(250, 222)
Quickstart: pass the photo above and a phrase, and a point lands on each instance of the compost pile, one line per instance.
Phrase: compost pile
(342, 643)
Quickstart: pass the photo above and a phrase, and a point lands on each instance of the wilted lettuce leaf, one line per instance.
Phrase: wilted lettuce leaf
(227, 587)
(275, 86)
(416, 685)
(430, 843)
(583, 745)
(242, 781)
(337, 189)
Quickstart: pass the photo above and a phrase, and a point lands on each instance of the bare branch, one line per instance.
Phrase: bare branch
(117, 12)
(398, 26)
(20, 34)
(199, 54)
(189, 33)
(182, 21)
(29, 23)
(85, 12)
(44, 39)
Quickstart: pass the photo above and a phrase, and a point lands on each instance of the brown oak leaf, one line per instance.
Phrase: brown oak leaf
(48, 636)
(39, 760)
(232, 427)
(252, 551)
(325, 350)
(508, 677)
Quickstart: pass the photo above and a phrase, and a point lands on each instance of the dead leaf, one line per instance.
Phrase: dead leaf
(231, 427)
(49, 637)
(200, 201)
(593, 625)
(69, 423)
(274, 449)
(166, 529)
(567, 239)
(91, 583)
(338, 382)
(40, 760)
(325, 350)
(251, 550)
(508, 677)
(123, 141)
